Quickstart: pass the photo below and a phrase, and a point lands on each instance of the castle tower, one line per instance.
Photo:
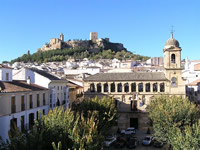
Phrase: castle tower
(172, 66)
(93, 36)
(62, 37)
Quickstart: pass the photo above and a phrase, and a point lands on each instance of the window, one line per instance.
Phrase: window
(173, 82)
(112, 87)
(162, 87)
(92, 88)
(148, 87)
(44, 99)
(22, 123)
(133, 87)
(7, 76)
(155, 87)
(13, 106)
(22, 103)
(173, 58)
(140, 87)
(13, 123)
(31, 120)
(58, 87)
(106, 87)
(31, 101)
(126, 87)
(99, 87)
(119, 87)
(38, 100)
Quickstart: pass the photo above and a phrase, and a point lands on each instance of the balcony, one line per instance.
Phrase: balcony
(31, 104)
(38, 103)
(13, 108)
(44, 103)
(22, 107)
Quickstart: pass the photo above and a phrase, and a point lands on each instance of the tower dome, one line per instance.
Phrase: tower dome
(171, 42)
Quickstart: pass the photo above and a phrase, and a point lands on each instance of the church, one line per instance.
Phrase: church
(133, 91)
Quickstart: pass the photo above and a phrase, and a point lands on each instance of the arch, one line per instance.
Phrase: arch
(99, 87)
(173, 81)
(173, 58)
(162, 87)
(112, 87)
(155, 87)
(105, 87)
(119, 87)
(133, 87)
(126, 87)
(92, 88)
(148, 87)
(140, 87)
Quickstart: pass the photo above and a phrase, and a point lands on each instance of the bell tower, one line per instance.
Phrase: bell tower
(172, 67)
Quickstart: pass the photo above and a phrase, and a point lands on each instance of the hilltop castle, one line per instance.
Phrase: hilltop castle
(93, 44)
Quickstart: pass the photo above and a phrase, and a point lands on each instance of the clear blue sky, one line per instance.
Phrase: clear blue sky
(142, 26)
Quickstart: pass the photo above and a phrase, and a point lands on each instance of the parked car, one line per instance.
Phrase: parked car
(133, 142)
(157, 144)
(120, 142)
(148, 140)
(109, 141)
(128, 131)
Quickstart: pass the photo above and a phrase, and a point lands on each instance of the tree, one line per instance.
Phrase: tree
(171, 116)
(188, 139)
(82, 128)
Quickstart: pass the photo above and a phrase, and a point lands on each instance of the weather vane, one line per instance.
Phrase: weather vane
(172, 31)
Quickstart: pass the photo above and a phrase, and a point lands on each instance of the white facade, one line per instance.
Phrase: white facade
(58, 88)
(5, 120)
(5, 74)
(89, 70)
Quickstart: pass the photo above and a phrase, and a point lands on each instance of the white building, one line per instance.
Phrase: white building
(58, 94)
(90, 70)
(20, 102)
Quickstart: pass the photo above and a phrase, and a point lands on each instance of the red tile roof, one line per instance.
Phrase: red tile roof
(18, 86)
(194, 83)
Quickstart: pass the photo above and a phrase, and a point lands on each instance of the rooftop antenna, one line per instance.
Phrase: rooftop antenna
(172, 31)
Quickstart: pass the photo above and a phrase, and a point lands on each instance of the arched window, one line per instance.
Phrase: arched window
(173, 58)
(162, 87)
(133, 87)
(140, 87)
(99, 87)
(106, 87)
(126, 87)
(148, 87)
(119, 87)
(112, 87)
(173, 82)
(92, 88)
(155, 87)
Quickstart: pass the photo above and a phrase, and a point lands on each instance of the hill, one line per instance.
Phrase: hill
(77, 53)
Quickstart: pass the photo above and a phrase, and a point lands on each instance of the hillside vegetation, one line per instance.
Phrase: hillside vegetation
(76, 53)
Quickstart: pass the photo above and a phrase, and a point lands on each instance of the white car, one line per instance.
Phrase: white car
(148, 140)
(109, 141)
(128, 131)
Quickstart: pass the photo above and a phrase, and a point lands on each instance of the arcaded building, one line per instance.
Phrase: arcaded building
(134, 91)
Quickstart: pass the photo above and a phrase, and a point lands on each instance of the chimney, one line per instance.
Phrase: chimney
(28, 80)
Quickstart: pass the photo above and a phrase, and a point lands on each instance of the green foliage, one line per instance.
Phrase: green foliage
(77, 53)
(172, 117)
(81, 128)
(187, 139)
(103, 109)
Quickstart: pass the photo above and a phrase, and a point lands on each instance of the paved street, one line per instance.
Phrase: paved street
(140, 135)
